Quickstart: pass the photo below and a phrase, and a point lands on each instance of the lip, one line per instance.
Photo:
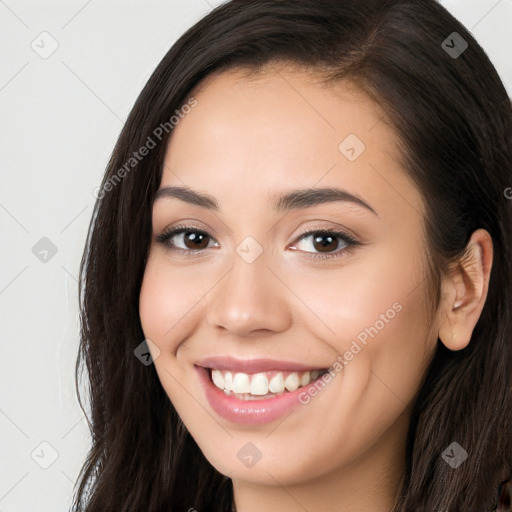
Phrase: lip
(253, 412)
(254, 365)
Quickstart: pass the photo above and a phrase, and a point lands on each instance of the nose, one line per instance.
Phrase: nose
(249, 300)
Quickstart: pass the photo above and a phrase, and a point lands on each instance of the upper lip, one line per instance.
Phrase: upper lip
(254, 365)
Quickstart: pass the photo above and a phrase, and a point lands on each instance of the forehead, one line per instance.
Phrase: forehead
(258, 134)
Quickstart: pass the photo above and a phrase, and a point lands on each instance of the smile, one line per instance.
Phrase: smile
(255, 391)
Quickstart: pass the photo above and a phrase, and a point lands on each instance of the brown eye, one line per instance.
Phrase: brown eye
(325, 244)
(185, 239)
(194, 240)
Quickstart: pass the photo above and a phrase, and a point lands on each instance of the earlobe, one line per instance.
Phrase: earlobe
(465, 292)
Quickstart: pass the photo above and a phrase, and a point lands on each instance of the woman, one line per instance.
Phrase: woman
(305, 226)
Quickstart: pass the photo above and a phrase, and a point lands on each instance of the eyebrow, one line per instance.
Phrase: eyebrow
(291, 200)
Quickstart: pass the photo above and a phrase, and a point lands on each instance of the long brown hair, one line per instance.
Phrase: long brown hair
(454, 122)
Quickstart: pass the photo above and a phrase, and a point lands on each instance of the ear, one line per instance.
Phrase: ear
(464, 291)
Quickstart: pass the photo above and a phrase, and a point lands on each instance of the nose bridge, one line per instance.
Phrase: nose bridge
(249, 297)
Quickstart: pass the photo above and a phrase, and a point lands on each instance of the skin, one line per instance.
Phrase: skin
(248, 140)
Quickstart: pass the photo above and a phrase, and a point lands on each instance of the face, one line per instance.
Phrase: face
(303, 254)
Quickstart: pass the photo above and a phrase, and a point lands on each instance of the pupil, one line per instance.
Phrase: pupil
(325, 245)
(195, 238)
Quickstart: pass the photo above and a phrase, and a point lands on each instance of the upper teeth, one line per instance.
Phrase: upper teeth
(262, 383)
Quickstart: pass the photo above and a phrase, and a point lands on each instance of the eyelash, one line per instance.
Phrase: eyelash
(165, 237)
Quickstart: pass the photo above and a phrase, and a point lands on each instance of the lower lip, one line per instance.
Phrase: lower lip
(255, 412)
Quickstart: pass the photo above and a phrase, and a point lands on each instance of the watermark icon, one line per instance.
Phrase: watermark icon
(454, 45)
(44, 250)
(45, 45)
(249, 454)
(147, 352)
(44, 455)
(508, 193)
(351, 147)
(137, 156)
(454, 455)
(248, 249)
(310, 392)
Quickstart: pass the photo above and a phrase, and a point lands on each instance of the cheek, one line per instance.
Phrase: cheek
(375, 289)
(169, 301)
(373, 316)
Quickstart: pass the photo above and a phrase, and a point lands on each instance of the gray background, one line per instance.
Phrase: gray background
(61, 114)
